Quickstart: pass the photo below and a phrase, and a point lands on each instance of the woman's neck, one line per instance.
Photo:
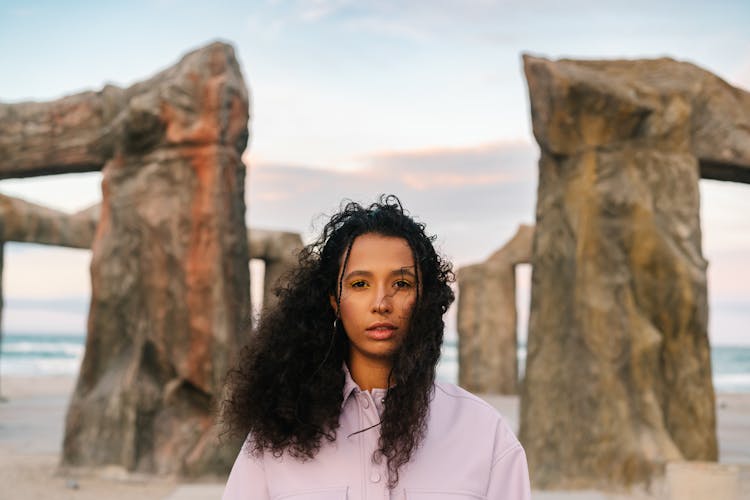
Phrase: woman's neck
(369, 373)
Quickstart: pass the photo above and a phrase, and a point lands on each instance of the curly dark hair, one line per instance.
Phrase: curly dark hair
(287, 388)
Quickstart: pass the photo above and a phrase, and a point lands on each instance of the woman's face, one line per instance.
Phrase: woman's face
(378, 291)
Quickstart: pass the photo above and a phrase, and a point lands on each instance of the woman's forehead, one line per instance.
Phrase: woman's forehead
(374, 251)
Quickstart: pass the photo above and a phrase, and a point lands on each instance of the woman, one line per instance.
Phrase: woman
(337, 392)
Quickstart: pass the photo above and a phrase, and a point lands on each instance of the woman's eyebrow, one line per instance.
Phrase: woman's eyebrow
(401, 271)
(404, 270)
(357, 272)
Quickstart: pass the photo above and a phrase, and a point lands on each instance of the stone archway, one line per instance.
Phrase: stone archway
(22, 221)
(25, 222)
(618, 378)
(278, 250)
(488, 345)
(169, 266)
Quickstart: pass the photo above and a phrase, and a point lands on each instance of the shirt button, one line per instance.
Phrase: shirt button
(375, 477)
(366, 403)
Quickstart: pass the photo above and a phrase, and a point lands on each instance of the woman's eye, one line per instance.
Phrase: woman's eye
(359, 284)
(402, 284)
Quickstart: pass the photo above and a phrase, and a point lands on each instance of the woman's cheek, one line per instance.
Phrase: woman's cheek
(408, 306)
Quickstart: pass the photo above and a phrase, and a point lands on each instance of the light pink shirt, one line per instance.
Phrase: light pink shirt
(469, 452)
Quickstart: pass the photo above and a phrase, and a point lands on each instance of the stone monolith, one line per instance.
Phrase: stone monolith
(169, 263)
(278, 250)
(618, 371)
(487, 318)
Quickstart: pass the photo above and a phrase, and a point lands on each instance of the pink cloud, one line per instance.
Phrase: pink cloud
(473, 198)
(492, 163)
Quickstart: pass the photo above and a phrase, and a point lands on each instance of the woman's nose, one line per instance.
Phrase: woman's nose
(383, 302)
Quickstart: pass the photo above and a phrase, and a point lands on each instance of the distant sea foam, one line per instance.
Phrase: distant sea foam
(37, 354)
(730, 366)
(34, 354)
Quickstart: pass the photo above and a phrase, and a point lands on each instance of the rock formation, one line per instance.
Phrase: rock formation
(278, 249)
(31, 223)
(27, 222)
(618, 372)
(77, 133)
(488, 361)
(169, 264)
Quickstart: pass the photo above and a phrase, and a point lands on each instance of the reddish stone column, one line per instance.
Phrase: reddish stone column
(169, 275)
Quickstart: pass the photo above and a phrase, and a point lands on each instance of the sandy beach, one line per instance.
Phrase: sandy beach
(31, 432)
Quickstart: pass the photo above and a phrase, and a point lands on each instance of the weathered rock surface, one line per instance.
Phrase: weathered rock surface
(27, 222)
(646, 104)
(618, 373)
(278, 249)
(77, 133)
(487, 318)
(169, 263)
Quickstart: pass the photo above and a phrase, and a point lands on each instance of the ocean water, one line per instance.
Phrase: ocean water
(730, 366)
(39, 354)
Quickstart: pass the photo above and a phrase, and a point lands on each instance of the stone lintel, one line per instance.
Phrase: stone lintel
(721, 171)
(580, 105)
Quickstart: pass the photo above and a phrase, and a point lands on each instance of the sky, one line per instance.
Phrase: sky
(350, 99)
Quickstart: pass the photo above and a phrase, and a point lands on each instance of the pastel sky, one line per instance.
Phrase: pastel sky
(425, 99)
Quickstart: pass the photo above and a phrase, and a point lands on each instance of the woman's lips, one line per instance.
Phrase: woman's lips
(381, 331)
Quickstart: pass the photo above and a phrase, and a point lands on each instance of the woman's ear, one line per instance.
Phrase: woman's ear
(334, 305)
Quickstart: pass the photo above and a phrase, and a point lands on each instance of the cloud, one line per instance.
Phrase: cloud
(389, 27)
(299, 11)
(314, 10)
(472, 198)
(416, 21)
(494, 163)
(43, 320)
(42, 272)
(268, 30)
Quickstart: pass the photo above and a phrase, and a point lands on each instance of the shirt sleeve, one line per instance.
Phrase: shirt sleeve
(509, 475)
(247, 480)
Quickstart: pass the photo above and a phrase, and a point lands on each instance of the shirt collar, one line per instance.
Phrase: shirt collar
(349, 384)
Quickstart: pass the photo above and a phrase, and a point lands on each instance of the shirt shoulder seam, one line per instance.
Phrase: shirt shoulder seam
(469, 397)
(507, 452)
